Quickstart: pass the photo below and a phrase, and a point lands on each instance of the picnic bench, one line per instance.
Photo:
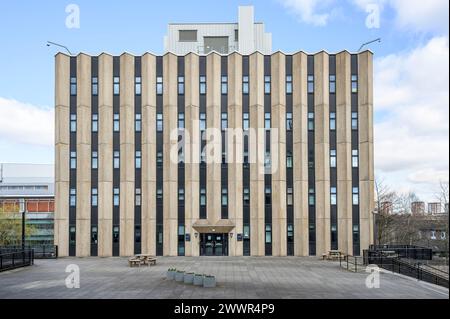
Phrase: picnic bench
(333, 255)
(142, 259)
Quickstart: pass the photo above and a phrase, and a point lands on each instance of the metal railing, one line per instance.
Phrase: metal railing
(16, 259)
(352, 263)
(39, 251)
(415, 270)
(405, 251)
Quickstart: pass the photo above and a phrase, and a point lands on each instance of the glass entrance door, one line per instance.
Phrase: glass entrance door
(213, 244)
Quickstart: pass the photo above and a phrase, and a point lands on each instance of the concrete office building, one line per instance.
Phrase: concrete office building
(244, 36)
(123, 187)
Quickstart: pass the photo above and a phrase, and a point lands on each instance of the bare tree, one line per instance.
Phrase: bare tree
(384, 221)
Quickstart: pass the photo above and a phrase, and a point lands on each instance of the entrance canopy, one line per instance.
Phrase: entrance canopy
(204, 226)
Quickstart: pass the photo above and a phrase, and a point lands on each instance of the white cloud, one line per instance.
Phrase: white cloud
(411, 101)
(310, 11)
(23, 123)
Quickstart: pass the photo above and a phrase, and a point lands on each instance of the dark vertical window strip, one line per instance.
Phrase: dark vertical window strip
(268, 176)
(138, 170)
(289, 170)
(246, 168)
(203, 199)
(159, 170)
(73, 172)
(94, 171)
(355, 170)
(311, 170)
(225, 121)
(333, 170)
(181, 166)
(116, 171)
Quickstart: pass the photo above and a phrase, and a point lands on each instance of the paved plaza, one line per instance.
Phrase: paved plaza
(237, 277)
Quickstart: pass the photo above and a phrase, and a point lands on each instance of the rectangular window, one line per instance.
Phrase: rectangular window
(310, 121)
(73, 86)
(73, 160)
(333, 197)
(94, 197)
(354, 84)
(181, 194)
(159, 122)
(224, 197)
(332, 158)
(181, 85)
(138, 122)
(116, 122)
(159, 85)
(73, 123)
(94, 123)
(289, 122)
(202, 121)
(267, 160)
(288, 84)
(267, 121)
(290, 196)
(187, 35)
(116, 159)
(138, 159)
(202, 84)
(246, 196)
(289, 160)
(236, 35)
(268, 197)
(159, 159)
(245, 159)
(355, 160)
(311, 197)
(310, 83)
(116, 199)
(116, 85)
(245, 121)
(332, 121)
(332, 83)
(159, 193)
(94, 160)
(355, 196)
(203, 197)
(137, 197)
(224, 87)
(267, 85)
(73, 197)
(138, 85)
(245, 84)
(224, 123)
(95, 86)
(354, 120)
(181, 121)
(268, 234)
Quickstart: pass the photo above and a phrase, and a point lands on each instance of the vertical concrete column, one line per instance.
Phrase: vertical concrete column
(278, 153)
(170, 145)
(344, 151)
(62, 150)
(83, 221)
(235, 148)
(192, 150)
(105, 147)
(148, 75)
(366, 160)
(214, 143)
(322, 151)
(127, 155)
(300, 141)
(256, 154)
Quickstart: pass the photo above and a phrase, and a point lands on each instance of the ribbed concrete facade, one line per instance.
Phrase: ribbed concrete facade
(214, 155)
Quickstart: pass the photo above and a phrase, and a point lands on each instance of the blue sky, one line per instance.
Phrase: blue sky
(410, 30)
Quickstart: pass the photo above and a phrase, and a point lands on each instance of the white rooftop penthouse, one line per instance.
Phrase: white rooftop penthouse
(245, 36)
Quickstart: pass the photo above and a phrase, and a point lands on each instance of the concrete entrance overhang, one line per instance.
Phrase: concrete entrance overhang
(223, 226)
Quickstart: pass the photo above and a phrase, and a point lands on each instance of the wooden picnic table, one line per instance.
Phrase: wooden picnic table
(142, 259)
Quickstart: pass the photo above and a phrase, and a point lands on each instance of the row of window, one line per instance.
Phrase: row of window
(202, 88)
(94, 197)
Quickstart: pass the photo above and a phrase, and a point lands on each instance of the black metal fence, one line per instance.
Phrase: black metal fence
(404, 251)
(12, 260)
(399, 266)
(40, 251)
